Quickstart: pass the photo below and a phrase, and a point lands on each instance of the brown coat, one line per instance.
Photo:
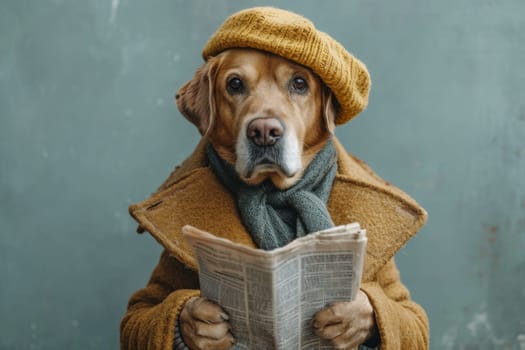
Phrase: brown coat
(192, 195)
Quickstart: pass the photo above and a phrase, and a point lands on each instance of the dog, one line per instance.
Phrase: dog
(268, 117)
(267, 170)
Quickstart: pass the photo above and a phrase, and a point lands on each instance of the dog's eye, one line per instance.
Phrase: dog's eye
(235, 86)
(299, 85)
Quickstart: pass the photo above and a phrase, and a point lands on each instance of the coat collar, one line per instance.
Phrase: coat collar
(193, 195)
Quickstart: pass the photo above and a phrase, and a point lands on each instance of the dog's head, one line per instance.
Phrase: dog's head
(263, 113)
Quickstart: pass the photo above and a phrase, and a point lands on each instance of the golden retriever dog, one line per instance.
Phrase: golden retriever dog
(267, 170)
(268, 117)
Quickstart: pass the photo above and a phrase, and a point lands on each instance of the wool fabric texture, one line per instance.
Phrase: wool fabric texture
(193, 195)
(275, 217)
(294, 37)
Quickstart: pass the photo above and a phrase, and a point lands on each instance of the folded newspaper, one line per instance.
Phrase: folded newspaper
(271, 296)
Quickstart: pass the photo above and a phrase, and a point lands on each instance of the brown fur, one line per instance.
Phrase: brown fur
(206, 102)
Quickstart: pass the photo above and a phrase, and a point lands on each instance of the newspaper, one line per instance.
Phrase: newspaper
(271, 296)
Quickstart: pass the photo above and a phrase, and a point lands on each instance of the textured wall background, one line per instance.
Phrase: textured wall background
(88, 126)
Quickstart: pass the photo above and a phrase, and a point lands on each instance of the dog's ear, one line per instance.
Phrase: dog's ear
(330, 108)
(196, 100)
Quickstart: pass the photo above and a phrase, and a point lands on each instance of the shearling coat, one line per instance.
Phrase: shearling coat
(193, 195)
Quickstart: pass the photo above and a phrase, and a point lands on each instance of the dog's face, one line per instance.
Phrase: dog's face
(266, 115)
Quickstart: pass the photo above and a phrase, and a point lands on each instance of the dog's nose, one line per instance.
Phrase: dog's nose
(265, 131)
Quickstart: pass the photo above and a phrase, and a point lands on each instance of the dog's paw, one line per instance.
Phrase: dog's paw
(204, 325)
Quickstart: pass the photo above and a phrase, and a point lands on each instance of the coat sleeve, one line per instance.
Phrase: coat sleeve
(402, 323)
(153, 311)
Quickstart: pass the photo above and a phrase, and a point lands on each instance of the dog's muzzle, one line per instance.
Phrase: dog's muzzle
(266, 146)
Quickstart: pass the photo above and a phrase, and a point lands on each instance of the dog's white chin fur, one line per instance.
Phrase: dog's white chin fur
(283, 176)
(275, 174)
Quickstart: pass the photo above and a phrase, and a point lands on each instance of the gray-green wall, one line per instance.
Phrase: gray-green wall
(88, 126)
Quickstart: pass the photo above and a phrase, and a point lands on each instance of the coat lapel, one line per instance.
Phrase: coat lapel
(192, 195)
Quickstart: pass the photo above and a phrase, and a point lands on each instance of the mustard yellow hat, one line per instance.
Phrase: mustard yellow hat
(294, 37)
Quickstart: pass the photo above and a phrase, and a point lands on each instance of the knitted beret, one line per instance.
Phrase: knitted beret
(294, 37)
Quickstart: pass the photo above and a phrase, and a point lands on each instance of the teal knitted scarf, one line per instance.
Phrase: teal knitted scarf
(275, 217)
